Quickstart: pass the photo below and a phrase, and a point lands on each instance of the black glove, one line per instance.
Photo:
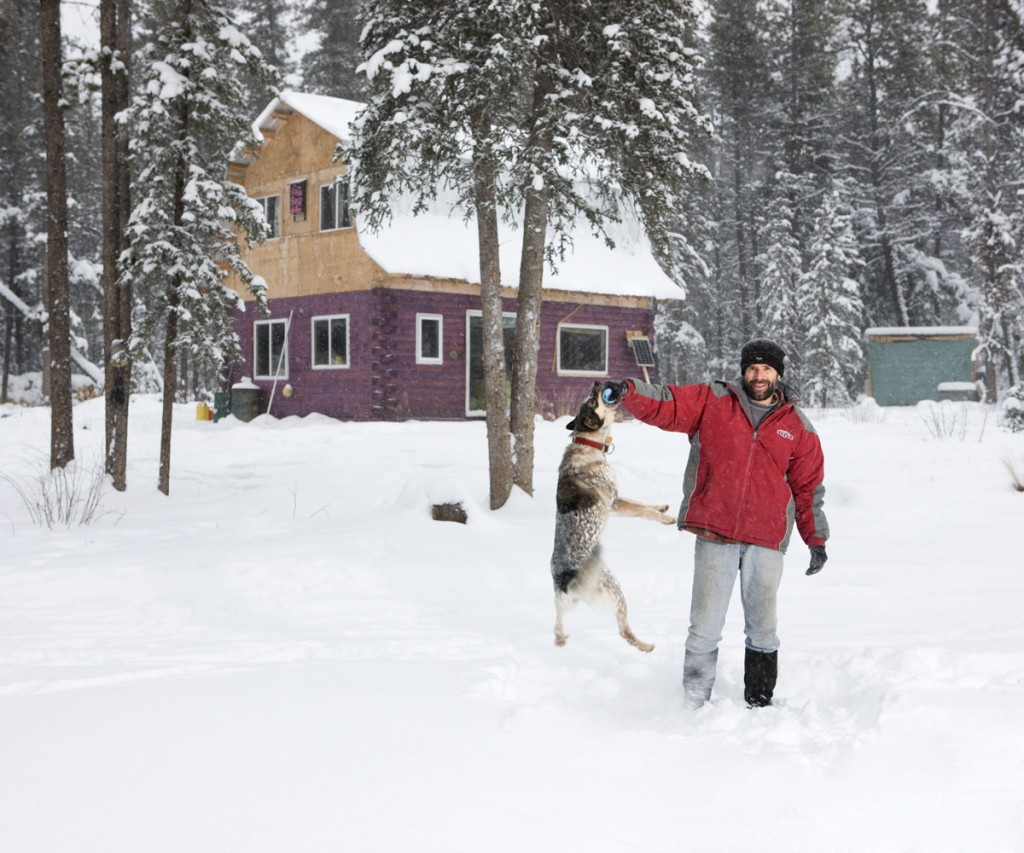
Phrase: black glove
(818, 558)
(612, 392)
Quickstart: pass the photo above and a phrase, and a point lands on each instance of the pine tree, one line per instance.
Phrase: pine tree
(57, 287)
(612, 126)
(269, 25)
(995, 232)
(829, 299)
(187, 118)
(778, 313)
(22, 213)
(573, 109)
(329, 68)
(115, 39)
(741, 85)
(444, 109)
(889, 139)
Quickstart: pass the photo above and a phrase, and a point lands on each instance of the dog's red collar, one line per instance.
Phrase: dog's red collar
(605, 448)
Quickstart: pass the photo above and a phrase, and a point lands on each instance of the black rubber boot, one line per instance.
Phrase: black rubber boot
(760, 671)
(698, 677)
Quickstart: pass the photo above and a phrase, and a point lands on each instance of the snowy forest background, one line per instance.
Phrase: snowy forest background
(866, 162)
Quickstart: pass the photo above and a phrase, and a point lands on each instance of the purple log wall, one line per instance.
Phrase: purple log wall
(383, 380)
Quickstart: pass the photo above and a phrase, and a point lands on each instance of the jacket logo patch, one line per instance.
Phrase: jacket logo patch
(785, 434)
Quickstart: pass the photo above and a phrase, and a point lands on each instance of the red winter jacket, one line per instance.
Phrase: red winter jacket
(740, 484)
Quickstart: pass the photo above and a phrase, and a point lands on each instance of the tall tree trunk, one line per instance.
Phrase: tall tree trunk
(58, 296)
(531, 279)
(12, 273)
(527, 339)
(114, 37)
(498, 446)
(173, 304)
(170, 383)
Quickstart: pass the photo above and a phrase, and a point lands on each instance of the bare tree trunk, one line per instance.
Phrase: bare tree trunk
(171, 339)
(527, 340)
(498, 444)
(170, 382)
(58, 296)
(12, 272)
(114, 36)
(531, 283)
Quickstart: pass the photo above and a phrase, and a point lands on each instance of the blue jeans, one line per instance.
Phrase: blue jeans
(715, 567)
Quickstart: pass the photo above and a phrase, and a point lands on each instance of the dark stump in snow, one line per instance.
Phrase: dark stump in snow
(449, 512)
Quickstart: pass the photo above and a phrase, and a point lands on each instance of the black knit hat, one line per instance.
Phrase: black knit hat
(762, 351)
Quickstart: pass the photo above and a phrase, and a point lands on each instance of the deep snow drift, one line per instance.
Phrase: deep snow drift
(288, 654)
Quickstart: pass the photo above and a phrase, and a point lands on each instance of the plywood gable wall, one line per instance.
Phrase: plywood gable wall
(303, 260)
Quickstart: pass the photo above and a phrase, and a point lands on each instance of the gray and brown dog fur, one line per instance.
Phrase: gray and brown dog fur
(587, 494)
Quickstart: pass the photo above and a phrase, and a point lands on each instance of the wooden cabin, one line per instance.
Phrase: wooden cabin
(387, 325)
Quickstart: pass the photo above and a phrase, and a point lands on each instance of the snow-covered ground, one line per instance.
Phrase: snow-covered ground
(288, 654)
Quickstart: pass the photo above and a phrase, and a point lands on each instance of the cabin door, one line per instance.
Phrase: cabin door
(476, 404)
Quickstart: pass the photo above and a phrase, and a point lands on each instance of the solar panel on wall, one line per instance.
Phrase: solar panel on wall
(642, 351)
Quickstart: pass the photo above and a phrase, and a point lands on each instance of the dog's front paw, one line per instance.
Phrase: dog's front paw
(667, 519)
(662, 508)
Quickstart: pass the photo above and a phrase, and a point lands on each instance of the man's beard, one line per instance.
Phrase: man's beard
(759, 396)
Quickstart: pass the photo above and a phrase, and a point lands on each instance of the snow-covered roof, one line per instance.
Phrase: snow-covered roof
(921, 330)
(335, 115)
(441, 243)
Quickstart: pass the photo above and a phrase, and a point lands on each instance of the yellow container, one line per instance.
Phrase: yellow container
(203, 412)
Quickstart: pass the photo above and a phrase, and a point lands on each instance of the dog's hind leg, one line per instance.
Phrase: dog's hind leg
(560, 635)
(613, 592)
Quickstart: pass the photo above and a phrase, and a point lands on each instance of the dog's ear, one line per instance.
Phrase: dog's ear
(571, 424)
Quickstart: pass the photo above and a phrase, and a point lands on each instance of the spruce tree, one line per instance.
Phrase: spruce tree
(996, 229)
(57, 289)
(740, 83)
(829, 299)
(612, 129)
(781, 264)
(576, 110)
(888, 145)
(187, 118)
(269, 26)
(329, 68)
(22, 203)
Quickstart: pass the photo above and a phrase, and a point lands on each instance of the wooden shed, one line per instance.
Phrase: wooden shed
(907, 364)
(386, 325)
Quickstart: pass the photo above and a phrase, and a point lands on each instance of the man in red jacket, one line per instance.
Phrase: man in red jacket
(755, 468)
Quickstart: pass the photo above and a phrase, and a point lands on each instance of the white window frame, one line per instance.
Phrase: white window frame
(275, 221)
(603, 371)
(334, 189)
(348, 339)
(420, 357)
(281, 356)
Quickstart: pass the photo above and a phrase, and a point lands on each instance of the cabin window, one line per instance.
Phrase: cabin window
(271, 205)
(582, 350)
(334, 200)
(428, 339)
(330, 342)
(270, 349)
